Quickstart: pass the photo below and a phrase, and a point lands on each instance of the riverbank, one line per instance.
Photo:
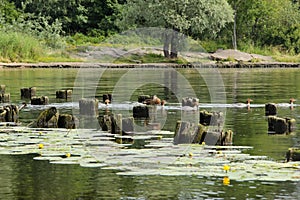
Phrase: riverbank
(148, 65)
(107, 57)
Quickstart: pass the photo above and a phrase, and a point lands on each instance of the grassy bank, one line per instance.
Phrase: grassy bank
(16, 47)
(20, 47)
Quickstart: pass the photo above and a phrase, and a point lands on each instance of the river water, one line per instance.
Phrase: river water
(223, 90)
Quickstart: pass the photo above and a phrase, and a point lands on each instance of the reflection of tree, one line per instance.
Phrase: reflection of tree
(170, 82)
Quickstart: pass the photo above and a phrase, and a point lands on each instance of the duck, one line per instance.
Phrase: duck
(163, 102)
(154, 101)
(292, 100)
(248, 103)
(107, 101)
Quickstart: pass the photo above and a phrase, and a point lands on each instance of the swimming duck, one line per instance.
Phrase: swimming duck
(292, 100)
(154, 101)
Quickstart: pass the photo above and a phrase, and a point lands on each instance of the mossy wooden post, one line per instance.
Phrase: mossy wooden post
(293, 154)
(3, 113)
(143, 98)
(226, 138)
(105, 123)
(28, 93)
(5, 98)
(88, 107)
(270, 109)
(291, 124)
(67, 121)
(46, 119)
(43, 100)
(280, 125)
(200, 134)
(9, 113)
(63, 94)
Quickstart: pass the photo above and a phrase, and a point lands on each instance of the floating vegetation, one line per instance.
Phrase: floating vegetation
(157, 155)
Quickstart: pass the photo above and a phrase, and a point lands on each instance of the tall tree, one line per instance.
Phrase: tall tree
(267, 22)
(190, 17)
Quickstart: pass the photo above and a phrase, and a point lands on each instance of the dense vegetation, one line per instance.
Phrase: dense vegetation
(31, 29)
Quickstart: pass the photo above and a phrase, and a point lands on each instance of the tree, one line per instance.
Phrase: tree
(8, 11)
(84, 16)
(190, 17)
(266, 23)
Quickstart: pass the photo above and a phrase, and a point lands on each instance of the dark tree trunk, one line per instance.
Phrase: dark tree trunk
(174, 45)
(166, 45)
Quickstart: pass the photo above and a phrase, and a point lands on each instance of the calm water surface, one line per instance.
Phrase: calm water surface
(23, 178)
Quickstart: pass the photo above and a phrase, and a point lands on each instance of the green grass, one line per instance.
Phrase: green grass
(16, 47)
(287, 58)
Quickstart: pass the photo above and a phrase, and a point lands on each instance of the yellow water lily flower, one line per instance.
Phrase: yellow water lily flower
(226, 180)
(190, 154)
(68, 155)
(226, 168)
(41, 146)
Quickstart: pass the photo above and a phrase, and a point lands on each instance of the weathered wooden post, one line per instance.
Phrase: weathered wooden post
(116, 124)
(211, 118)
(226, 138)
(127, 125)
(184, 132)
(200, 134)
(43, 100)
(28, 93)
(280, 125)
(67, 121)
(143, 98)
(293, 154)
(47, 119)
(64, 94)
(141, 112)
(105, 122)
(2, 89)
(88, 107)
(4, 97)
(270, 109)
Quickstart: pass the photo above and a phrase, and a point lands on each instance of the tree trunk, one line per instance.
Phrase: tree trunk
(166, 45)
(234, 27)
(174, 45)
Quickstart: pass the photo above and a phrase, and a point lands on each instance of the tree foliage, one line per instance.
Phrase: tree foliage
(268, 22)
(239, 22)
(84, 16)
(190, 17)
